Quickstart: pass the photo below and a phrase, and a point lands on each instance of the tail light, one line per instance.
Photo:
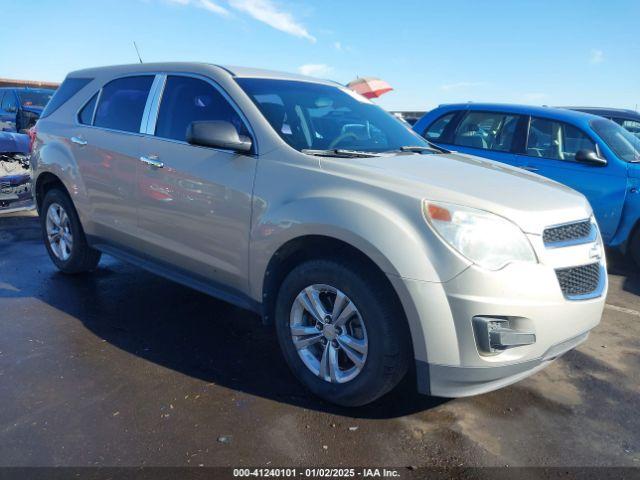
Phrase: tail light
(32, 137)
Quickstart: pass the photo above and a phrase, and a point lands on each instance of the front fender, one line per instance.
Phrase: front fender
(400, 244)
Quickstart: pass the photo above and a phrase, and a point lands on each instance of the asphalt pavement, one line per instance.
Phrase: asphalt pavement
(123, 368)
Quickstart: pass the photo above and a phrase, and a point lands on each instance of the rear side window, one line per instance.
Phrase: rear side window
(487, 131)
(435, 131)
(556, 140)
(186, 100)
(122, 103)
(85, 116)
(68, 89)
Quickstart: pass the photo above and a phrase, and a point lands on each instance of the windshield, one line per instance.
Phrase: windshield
(623, 143)
(35, 98)
(312, 116)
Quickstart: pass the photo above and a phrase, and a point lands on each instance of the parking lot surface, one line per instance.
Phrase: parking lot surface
(123, 368)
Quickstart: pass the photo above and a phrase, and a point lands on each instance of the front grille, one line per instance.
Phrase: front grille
(575, 281)
(567, 233)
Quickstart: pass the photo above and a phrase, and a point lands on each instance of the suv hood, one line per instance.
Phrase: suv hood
(531, 201)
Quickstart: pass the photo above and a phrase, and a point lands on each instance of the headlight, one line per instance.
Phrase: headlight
(488, 240)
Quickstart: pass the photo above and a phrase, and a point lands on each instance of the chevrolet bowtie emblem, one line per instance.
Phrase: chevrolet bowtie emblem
(594, 253)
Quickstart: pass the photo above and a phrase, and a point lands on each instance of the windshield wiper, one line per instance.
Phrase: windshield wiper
(432, 147)
(339, 152)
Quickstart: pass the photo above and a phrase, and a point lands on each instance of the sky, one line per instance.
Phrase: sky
(542, 52)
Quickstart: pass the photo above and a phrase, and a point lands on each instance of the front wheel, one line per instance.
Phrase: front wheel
(341, 333)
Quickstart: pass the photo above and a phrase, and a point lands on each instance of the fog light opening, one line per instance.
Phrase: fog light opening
(497, 334)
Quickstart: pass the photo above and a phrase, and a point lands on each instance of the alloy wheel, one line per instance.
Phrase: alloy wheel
(329, 333)
(59, 234)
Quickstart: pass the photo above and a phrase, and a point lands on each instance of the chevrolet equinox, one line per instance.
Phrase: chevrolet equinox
(369, 249)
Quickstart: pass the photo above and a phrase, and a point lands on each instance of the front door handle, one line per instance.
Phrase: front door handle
(529, 168)
(79, 141)
(152, 160)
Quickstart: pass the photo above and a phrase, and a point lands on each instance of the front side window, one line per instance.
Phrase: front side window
(122, 103)
(556, 140)
(186, 100)
(436, 129)
(487, 130)
(314, 116)
(623, 143)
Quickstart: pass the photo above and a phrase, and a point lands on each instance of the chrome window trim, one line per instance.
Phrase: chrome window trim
(95, 108)
(150, 114)
(151, 127)
(591, 238)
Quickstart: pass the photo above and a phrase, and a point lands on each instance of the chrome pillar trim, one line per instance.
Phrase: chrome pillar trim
(150, 113)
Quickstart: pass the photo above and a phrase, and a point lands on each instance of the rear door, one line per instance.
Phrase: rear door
(490, 135)
(195, 204)
(107, 145)
(550, 151)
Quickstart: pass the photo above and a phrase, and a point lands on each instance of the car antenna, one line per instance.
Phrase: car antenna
(137, 51)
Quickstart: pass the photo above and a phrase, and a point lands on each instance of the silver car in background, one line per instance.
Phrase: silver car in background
(370, 250)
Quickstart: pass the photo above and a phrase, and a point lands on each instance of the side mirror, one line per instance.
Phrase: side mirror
(217, 134)
(590, 158)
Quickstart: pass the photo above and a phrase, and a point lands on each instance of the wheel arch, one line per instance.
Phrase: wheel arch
(45, 182)
(312, 247)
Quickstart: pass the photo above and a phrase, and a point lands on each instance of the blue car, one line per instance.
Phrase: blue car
(591, 154)
(20, 108)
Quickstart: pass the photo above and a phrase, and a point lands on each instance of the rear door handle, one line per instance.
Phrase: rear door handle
(530, 169)
(79, 141)
(152, 160)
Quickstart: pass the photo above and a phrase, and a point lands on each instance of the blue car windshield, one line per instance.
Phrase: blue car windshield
(313, 116)
(623, 143)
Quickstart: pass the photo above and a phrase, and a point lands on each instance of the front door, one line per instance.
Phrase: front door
(194, 202)
(550, 151)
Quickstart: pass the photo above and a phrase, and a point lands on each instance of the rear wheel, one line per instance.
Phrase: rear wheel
(341, 333)
(63, 235)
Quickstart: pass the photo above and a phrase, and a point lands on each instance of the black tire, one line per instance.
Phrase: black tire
(389, 350)
(634, 247)
(83, 258)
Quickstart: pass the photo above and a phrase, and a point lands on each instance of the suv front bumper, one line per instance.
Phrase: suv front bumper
(449, 360)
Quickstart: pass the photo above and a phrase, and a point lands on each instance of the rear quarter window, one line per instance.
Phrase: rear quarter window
(68, 89)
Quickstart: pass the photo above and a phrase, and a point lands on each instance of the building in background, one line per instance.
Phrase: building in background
(8, 82)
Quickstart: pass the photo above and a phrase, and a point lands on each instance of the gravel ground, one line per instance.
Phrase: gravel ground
(123, 368)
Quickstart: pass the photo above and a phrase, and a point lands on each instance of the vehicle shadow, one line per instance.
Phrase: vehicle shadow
(623, 265)
(176, 327)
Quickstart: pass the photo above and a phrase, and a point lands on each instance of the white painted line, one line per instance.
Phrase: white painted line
(623, 310)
